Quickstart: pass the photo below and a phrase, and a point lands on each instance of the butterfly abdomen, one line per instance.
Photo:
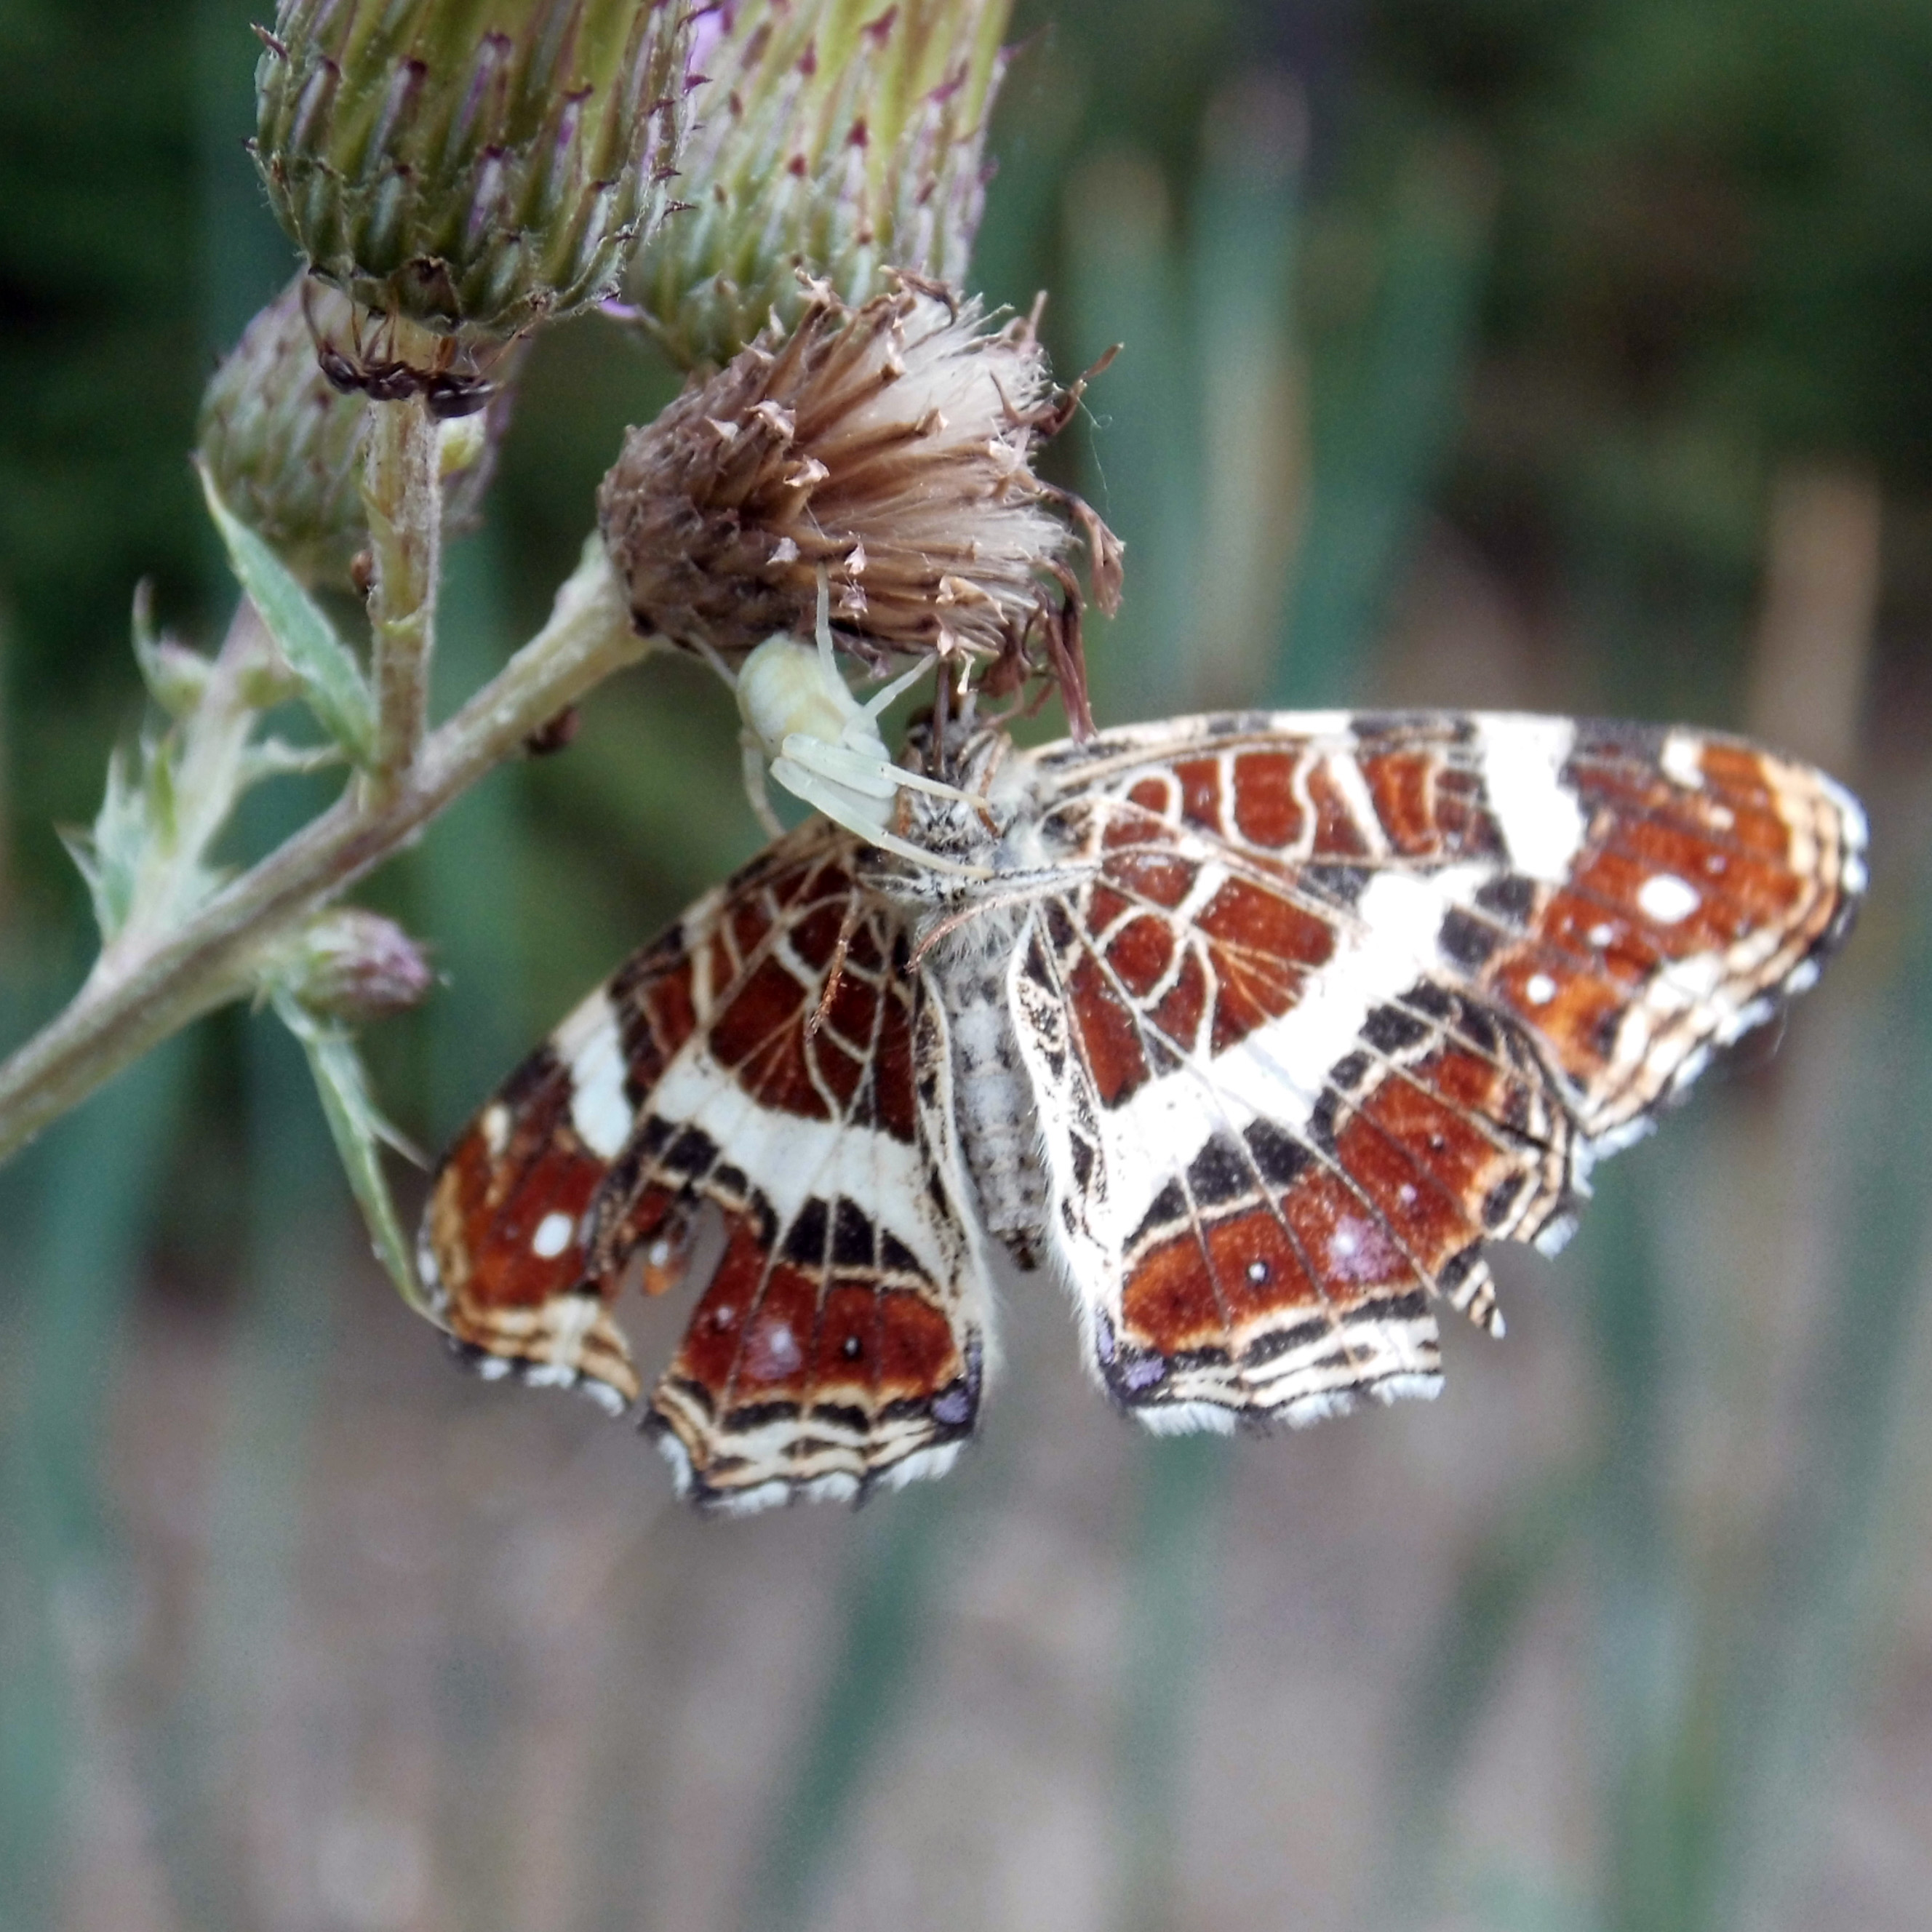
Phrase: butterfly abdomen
(998, 1117)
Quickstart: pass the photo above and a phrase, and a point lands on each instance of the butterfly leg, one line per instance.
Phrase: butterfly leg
(848, 924)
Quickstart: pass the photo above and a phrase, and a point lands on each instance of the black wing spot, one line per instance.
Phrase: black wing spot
(1389, 1030)
(1341, 885)
(1466, 941)
(852, 1243)
(804, 1239)
(1279, 1157)
(1218, 1173)
(1512, 897)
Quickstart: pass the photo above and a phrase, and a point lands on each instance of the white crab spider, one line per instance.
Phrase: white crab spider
(824, 745)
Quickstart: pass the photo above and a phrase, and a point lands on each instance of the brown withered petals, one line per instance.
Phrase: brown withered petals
(891, 445)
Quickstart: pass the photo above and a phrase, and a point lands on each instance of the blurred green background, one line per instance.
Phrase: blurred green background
(1569, 355)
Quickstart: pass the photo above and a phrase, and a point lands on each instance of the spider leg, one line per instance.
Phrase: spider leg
(848, 765)
(827, 797)
(865, 773)
(756, 789)
(880, 699)
(708, 653)
(822, 629)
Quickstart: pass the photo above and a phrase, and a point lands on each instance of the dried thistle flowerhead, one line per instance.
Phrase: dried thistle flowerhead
(468, 168)
(283, 444)
(890, 445)
(843, 137)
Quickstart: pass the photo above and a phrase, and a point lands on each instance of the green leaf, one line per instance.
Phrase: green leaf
(176, 676)
(360, 1133)
(274, 757)
(332, 680)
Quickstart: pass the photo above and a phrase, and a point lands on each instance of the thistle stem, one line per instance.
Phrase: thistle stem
(402, 497)
(169, 978)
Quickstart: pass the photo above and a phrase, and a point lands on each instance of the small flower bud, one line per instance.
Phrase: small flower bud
(844, 138)
(354, 965)
(468, 166)
(892, 446)
(284, 445)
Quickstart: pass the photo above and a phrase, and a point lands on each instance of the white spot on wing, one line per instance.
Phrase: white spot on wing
(1540, 816)
(552, 1237)
(1681, 760)
(1667, 899)
(1539, 989)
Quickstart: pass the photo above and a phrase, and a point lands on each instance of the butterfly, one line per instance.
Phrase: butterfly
(1254, 1029)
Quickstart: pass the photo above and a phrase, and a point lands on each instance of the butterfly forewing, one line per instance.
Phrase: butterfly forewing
(715, 1107)
(1328, 1001)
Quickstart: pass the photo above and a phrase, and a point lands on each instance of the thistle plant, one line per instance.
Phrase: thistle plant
(456, 175)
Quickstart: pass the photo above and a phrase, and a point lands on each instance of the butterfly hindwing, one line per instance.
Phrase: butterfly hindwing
(1329, 1001)
(712, 1110)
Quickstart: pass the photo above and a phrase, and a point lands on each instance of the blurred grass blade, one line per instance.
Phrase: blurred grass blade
(882, 1627)
(1171, 1591)
(331, 679)
(1501, 1583)
(1826, 1575)
(231, 1691)
(1644, 1748)
(86, 1198)
(1251, 445)
(1379, 439)
(360, 1133)
(1123, 285)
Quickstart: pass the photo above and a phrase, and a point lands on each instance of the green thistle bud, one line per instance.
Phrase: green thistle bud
(468, 166)
(354, 965)
(844, 138)
(284, 445)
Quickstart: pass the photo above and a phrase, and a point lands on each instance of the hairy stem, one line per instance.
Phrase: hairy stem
(161, 985)
(402, 497)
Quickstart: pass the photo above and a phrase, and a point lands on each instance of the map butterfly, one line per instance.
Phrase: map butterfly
(1253, 1028)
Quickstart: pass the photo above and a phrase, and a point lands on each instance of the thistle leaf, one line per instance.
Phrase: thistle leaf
(360, 1133)
(276, 757)
(109, 855)
(331, 681)
(176, 676)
